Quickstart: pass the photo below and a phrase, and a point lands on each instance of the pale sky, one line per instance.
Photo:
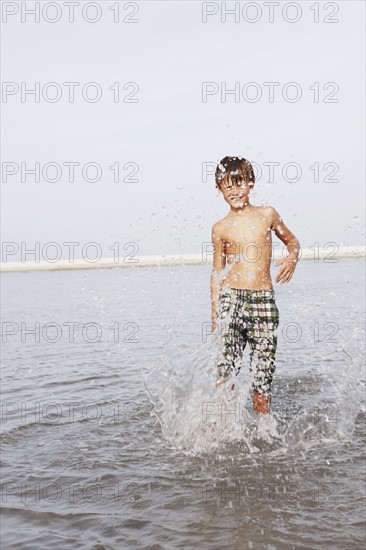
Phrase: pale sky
(171, 134)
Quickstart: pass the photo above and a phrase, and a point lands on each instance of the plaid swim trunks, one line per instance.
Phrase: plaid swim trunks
(248, 316)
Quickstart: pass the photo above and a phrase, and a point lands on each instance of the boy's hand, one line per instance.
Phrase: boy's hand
(287, 270)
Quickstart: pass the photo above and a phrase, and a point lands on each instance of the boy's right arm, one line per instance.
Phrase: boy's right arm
(219, 262)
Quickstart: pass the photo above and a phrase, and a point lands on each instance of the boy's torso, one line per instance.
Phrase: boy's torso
(247, 244)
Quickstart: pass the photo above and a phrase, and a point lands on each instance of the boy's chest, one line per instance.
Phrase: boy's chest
(249, 230)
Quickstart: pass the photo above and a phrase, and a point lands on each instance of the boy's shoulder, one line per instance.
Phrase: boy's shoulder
(269, 214)
(220, 226)
(219, 223)
(268, 210)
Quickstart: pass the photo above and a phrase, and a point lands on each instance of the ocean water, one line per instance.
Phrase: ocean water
(114, 435)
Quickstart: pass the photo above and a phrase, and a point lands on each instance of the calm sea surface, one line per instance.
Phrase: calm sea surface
(106, 406)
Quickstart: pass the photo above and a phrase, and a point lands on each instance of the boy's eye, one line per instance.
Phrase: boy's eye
(240, 185)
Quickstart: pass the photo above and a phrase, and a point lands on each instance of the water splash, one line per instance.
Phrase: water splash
(196, 416)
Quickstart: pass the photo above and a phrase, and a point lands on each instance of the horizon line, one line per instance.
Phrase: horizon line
(160, 260)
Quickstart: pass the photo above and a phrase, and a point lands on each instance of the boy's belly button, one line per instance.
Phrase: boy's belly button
(243, 278)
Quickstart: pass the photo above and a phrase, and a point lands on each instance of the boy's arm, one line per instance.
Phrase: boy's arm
(218, 263)
(293, 246)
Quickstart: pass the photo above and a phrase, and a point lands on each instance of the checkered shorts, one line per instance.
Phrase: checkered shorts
(248, 316)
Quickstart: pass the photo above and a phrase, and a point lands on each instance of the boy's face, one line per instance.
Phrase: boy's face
(235, 194)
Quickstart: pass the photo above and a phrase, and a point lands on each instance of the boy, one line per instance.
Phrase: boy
(244, 297)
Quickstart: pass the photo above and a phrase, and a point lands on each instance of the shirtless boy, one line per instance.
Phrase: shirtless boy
(245, 297)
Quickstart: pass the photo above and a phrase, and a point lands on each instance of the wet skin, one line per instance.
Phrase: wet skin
(243, 239)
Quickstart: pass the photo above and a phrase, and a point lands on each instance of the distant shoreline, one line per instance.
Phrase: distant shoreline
(328, 255)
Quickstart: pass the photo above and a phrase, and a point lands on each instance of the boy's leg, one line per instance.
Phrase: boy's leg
(261, 402)
(263, 342)
(232, 336)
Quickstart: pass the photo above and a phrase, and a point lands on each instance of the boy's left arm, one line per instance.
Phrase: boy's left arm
(293, 246)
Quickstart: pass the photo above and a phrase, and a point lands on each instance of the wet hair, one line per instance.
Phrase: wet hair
(235, 168)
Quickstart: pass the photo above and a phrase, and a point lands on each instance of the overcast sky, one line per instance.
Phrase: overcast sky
(170, 137)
